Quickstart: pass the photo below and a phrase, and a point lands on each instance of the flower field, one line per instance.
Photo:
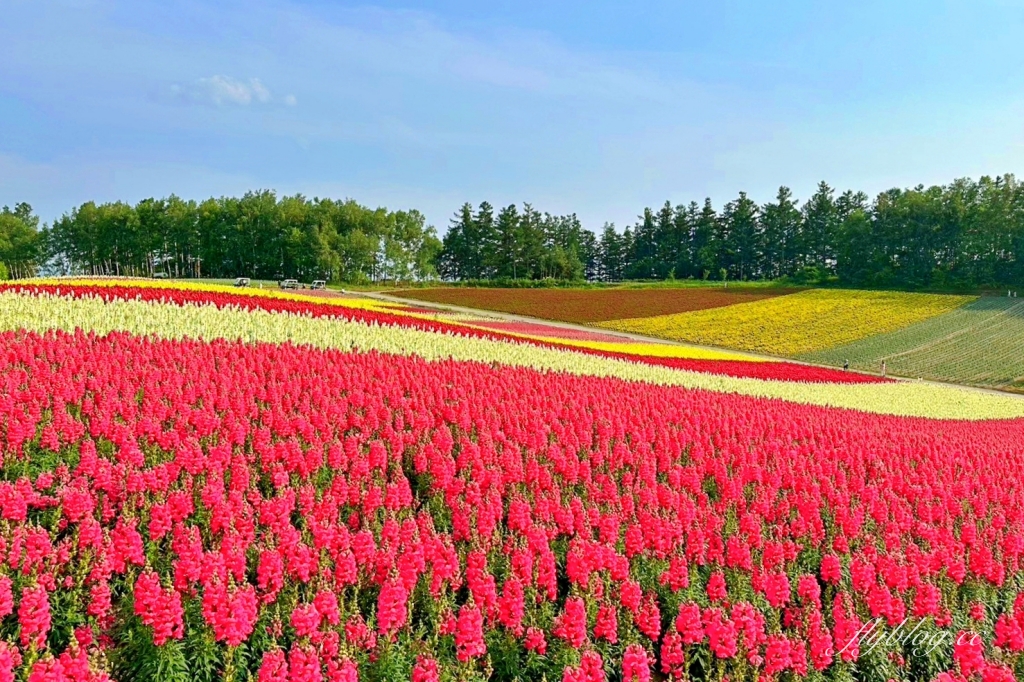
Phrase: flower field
(202, 485)
(217, 314)
(586, 306)
(88, 314)
(796, 324)
(957, 339)
(980, 344)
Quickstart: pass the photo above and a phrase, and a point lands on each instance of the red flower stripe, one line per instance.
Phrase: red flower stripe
(327, 508)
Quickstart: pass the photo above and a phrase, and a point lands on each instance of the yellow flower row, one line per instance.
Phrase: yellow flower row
(45, 312)
(798, 323)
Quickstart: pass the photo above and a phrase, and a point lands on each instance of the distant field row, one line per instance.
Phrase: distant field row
(587, 306)
(961, 339)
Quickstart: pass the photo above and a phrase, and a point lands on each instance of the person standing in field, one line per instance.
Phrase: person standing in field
(883, 368)
(846, 365)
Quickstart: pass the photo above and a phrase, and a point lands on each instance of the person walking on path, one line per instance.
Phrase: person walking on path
(883, 368)
(846, 365)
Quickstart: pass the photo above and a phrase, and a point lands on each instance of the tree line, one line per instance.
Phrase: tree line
(962, 235)
(256, 235)
(19, 241)
(969, 233)
(516, 245)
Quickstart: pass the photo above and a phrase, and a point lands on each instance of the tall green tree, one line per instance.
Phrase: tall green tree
(780, 226)
(532, 241)
(611, 256)
(484, 241)
(506, 260)
(707, 241)
(455, 250)
(818, 230)
(744, 244)
(644, 258)
(19, 241)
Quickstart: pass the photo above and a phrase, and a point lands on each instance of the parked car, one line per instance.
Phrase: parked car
(160, 275)
(241, 281)
(289, 284)
(318, 284)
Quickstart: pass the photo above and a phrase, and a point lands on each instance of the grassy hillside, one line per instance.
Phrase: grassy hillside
(981, 343)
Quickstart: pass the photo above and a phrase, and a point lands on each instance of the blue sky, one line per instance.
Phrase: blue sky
(595, 107)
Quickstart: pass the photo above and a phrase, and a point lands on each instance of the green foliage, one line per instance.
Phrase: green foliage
(964, 235)
(516, 246)
(138, 659)
(256, 236)
(809, 274)
(19, 242)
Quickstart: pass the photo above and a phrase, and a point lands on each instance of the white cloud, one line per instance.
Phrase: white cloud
(290, 100)
(221, 90)
(259, 91)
